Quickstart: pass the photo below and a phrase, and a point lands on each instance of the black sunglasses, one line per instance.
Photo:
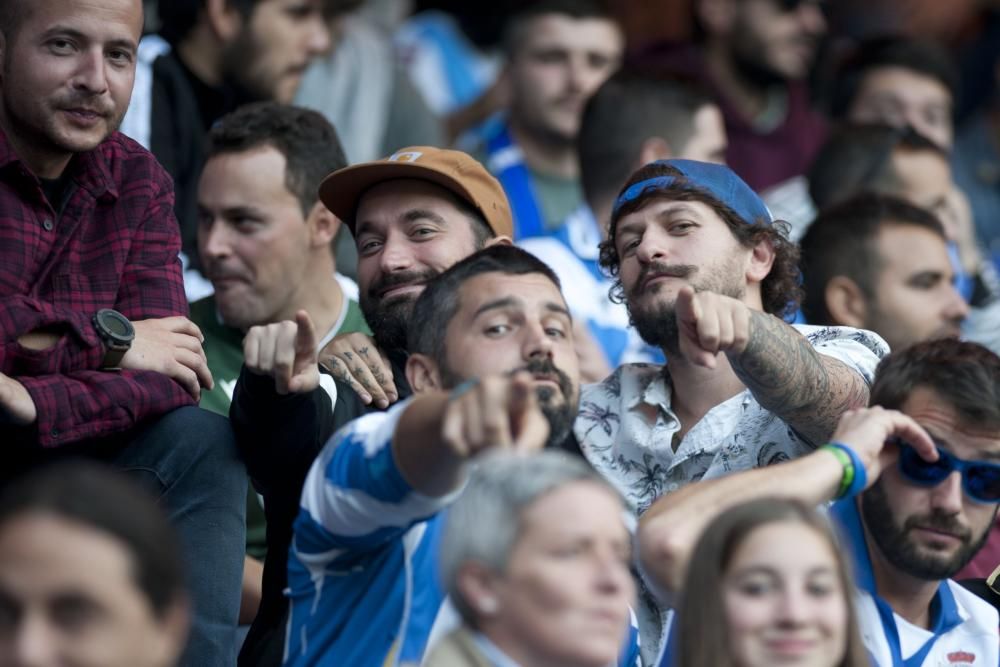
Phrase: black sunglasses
(980, 480)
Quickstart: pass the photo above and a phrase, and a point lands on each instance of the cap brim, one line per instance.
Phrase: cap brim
(341, 190)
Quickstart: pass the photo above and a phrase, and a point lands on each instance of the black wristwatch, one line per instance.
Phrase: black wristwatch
(117, 334)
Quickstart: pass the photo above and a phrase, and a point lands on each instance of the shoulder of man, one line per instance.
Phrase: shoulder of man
(133, 169)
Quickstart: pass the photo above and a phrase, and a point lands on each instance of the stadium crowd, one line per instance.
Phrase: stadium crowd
(549, 333)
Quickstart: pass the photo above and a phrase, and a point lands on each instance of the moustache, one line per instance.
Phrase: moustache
(546, 368)
(654, 269)
(90, 103)
(391, 280)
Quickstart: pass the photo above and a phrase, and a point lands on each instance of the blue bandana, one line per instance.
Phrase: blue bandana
(716, 180)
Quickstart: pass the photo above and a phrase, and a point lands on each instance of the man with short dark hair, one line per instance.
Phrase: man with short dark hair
(915, 487)
(265, 239)
(266, 243)
(902, 163)
(633, 118)
(898, 81)
(98, 357)
(557, 53)
(895, 81)
(879, 263)
(90, 572)
(493, 367)
(413, 215)
(212, 56)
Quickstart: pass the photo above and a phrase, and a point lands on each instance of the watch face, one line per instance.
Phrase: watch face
(115, 326)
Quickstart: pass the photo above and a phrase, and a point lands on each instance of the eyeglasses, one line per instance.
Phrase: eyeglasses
(980, 480)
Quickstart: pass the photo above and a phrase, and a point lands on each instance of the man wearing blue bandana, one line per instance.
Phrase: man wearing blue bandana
(707, 277)
(915, 482)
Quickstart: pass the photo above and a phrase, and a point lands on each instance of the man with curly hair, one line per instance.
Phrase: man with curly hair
(708, 277)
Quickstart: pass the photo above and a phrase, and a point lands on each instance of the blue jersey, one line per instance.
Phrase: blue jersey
(363, 569)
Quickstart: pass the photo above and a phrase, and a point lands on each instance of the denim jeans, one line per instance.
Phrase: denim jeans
(188, 459)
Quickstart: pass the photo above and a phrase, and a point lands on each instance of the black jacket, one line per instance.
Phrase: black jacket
(279, 438)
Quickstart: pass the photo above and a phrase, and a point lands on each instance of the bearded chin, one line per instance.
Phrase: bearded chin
(657, 326)
(388, 321)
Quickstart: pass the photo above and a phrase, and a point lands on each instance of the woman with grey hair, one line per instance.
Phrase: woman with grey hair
(535, 557)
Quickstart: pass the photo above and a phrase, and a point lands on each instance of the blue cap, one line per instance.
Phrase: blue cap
(716, 180)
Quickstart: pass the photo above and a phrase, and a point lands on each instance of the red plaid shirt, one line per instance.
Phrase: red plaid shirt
(114, 245)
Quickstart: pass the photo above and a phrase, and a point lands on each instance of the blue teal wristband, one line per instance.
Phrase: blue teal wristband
(860, 476)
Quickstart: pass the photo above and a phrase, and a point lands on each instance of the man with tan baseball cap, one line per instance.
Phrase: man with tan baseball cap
(454, 171)
(413, 214)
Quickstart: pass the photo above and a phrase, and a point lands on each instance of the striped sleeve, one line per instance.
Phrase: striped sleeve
(355, 499)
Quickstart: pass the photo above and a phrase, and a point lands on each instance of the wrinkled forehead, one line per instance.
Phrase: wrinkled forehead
(950, 429)
(498, 291)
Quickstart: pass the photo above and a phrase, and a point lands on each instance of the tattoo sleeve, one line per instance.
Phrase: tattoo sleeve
(808, 390)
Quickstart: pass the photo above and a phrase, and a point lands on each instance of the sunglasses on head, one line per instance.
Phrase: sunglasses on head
(980, 480)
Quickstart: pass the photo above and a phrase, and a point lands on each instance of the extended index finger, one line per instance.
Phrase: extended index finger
(529, 428)
(305, 337)
(686, 306)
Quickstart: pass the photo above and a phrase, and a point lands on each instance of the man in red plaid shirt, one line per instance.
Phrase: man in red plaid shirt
(98, 357)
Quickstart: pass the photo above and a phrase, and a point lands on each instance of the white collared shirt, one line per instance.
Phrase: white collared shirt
(626, 425)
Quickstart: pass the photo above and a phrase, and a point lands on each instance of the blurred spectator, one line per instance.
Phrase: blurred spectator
(768, 585)
(493, 367)
(535, 557)
(914, 484)
(366, 94)
(706, 276)
(209, 58)
(902, 163)
(453, 73)
(635, 117)
(976, 162)
(558, 52)
(879, 263)
(266, 242)
(90, 573)
(901, 82)
(412, 215)
(98, 356)
(756, 55)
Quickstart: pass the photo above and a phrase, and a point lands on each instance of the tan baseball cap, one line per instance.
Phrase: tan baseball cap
(455, 171)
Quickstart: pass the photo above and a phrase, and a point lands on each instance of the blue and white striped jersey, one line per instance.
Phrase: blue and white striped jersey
(362, 570)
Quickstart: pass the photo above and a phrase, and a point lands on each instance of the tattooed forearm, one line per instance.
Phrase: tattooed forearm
(787, 376)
